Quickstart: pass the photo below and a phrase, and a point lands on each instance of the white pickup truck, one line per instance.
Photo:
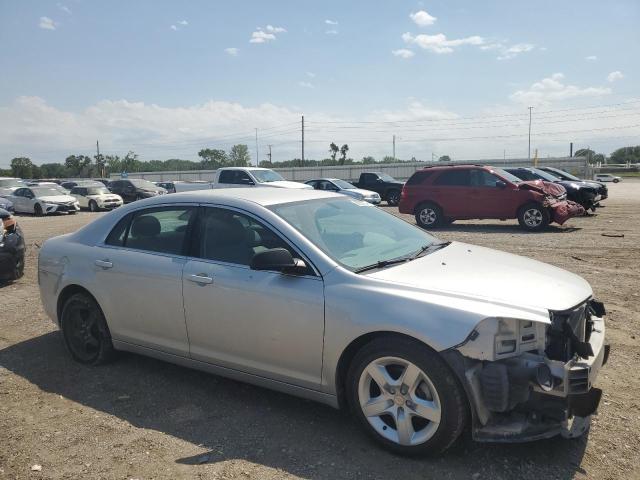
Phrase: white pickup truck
(234, 177)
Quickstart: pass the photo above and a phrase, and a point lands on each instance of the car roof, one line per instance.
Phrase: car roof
(265, 196)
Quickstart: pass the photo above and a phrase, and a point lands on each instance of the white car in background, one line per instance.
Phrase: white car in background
(233, 177)
(340, 186)
(606, 177)
(43, 200)
(9, 184)
(96, 197)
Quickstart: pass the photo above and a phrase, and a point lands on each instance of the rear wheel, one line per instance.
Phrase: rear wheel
(406, 397)
(533, 217)
(93, 206)
(85, 330)
(393, 197)
(429, 215)
(37, 210)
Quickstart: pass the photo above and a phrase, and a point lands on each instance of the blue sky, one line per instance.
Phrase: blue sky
(159, 77)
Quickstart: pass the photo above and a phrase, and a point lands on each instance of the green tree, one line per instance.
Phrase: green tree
(113, 162)
(444, 158)
(130, 162)
(625, 155)
(343, 152)
(333, 150)
(77, 164)
(53, 170)
(100, 165)
(368, 160)
(585, 152)
(21, 167)
(213, 158)
(239, 156)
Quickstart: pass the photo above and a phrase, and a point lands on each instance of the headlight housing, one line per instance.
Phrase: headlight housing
(497, 338)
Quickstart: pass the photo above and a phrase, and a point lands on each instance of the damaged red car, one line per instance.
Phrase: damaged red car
(438, 195)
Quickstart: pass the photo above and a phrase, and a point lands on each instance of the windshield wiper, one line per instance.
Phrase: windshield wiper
(381, 264)
(432, 247)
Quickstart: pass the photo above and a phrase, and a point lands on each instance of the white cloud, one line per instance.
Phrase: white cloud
(422, 18)
(173, 27)
(591, 58)
(271, 28)
(262, 36)
(183, 22)
(64, 8)
(331, 32)
(613, 76)
(47, 24)
(306, 84)
(515, 50)
(311, 75)
(233, 51)
(439, 43)
(403, 53)
(331, 22)
(552, 89)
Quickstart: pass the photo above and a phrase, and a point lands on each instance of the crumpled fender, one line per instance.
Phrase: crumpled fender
(540, 186)
(564, 210)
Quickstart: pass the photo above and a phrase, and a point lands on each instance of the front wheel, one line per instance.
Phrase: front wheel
(37, 210)
(93, 206)
(85, 330)
(393, 198)
(406, 397)
(533, 217)
(616, 180)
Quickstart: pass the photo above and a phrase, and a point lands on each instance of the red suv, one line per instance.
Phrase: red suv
(441, 194)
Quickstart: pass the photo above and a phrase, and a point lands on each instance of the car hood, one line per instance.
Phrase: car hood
(477, 273)
(57, 198)
(547, 188)
(286, 184)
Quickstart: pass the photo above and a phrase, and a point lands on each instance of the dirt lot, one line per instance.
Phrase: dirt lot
(141, 418)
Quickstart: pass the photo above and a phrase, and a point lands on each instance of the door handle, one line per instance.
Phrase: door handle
(103, 264)
(200, 278)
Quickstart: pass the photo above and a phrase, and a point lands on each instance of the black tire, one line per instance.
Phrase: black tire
(19, 268)
(37, 210)
(453, 402)
(85, 330)
(615, 180)
(393, 197)
(93, 206)
(429, 215)
(533, 217)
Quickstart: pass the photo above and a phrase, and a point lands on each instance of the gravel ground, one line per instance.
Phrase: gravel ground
(142, 418)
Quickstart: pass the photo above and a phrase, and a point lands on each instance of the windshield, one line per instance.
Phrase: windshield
(138, 182)
(545, 175)
(354, 233)
(343, 185)
(266, 176)
(97, 190)
(387, 178)
(47, 191)
(566, 176)
(507, 176)
(11, 182)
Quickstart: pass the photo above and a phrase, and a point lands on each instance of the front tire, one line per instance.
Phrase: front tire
(429, 215)
(93, 206)
(37, 210)
(405, 397)
(393, 197)
(85, 330)
(616, 180)
(533, 217)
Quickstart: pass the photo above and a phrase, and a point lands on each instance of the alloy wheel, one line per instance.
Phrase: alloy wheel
(532, 217)
(399, 401)
(428, 216)
(83, 334)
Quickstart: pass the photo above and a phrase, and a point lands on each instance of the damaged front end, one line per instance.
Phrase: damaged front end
(554, 197)
(529, 380)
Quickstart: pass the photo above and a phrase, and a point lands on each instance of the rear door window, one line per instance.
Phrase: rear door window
(482, 178)
(457, 177)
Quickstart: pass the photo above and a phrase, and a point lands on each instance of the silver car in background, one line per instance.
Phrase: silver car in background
(329, 298)
(340, 186)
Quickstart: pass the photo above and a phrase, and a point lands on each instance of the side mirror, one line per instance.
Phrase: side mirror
(278, 259)
(501, 184)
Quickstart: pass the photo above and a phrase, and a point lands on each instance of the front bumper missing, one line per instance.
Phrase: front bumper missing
(563, 210)
(510, 405)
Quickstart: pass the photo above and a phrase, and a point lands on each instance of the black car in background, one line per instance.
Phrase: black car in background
(5, 204)
(170, 187)
(12, 248)
(133, 189)
(562, 175)
(577, 191)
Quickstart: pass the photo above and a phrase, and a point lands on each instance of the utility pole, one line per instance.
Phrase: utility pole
(302, 158)
(269, 155)
(571, 149)
(529, 154)
(394, 147)
(98, 158)
(257, 162)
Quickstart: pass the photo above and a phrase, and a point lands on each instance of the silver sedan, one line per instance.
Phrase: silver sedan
(329, 298)
(340, 186)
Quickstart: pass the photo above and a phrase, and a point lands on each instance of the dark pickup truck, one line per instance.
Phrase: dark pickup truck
(388, 187)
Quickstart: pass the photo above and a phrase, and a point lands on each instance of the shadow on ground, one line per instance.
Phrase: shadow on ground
(238, 421)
